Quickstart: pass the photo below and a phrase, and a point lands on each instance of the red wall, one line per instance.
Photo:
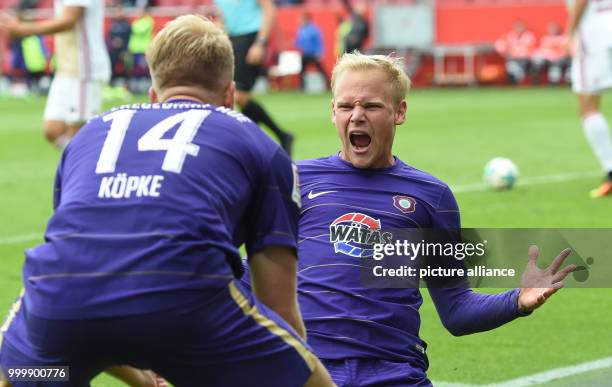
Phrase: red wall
(457, 21)
(485, 23)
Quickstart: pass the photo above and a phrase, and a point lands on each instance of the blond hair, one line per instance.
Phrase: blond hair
(191, 51)
(391, 65)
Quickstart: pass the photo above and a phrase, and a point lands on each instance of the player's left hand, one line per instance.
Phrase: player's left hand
(256, 54)
(537, 285)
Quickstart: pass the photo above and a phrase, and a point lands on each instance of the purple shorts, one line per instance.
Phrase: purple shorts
(229, 339)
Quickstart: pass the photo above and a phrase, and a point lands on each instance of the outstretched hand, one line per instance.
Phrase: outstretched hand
(537, 285)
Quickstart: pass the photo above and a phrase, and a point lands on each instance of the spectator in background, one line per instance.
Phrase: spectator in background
(359, 30)
(551, 55)
(310, 42)
(517, 49)
(18, 68)
(119, 36)
(35, 60)
(141, 36)
(344, 26)
(29, 57)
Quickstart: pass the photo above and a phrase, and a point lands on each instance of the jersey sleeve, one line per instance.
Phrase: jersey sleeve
(461, 310)
(446, 215)
(274, 210)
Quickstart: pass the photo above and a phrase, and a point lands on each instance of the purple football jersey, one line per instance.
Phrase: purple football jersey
(151, 204)
(345, 210)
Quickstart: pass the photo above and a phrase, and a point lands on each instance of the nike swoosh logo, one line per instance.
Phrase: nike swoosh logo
(312, 195)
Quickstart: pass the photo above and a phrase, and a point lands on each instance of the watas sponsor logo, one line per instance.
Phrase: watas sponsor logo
(355, 234)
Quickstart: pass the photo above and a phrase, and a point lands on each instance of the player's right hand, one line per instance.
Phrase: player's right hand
(537, 285)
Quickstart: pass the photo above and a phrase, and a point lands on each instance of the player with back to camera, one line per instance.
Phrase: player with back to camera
(590, 26)
(366, 335)
(151, 202)
(83, 64)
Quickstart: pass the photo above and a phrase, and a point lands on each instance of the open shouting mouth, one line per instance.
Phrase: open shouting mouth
(360, 141)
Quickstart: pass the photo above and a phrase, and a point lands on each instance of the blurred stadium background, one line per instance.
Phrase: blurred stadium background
(460, 115)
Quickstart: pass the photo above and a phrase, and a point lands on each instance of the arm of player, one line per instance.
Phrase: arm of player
(273, 278)
(257, 52)
(537, 285)
(66, 21)
(464, 311)
(575, 14)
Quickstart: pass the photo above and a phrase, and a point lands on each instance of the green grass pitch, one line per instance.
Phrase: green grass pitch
(450, 133)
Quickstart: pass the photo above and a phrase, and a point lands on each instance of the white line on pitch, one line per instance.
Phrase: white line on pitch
(557, 373)
(542, 377)
(15, 239)
(525, 181)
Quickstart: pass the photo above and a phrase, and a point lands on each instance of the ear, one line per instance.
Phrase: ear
(152, 94)
(400, 114)
(228, 95)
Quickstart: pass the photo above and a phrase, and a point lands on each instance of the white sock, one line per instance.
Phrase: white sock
(598, 133)
(62, 141)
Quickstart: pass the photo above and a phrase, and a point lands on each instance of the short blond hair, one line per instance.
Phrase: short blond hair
(191, 51)
(391, 65)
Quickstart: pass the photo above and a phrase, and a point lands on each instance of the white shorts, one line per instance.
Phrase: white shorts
(73, 100)
(592, 72)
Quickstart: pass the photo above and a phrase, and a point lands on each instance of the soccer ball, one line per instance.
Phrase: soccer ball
(500, 173)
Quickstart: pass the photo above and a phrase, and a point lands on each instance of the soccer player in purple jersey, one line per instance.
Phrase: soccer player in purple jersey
(370, 336)
(151, 203)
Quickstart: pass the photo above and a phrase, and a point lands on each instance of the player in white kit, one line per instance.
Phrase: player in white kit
(83, 65)
(590, 27)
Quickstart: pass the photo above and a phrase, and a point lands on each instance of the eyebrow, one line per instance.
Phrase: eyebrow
(366, 103)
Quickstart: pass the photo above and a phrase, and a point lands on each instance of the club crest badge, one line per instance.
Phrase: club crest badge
(405, 204)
